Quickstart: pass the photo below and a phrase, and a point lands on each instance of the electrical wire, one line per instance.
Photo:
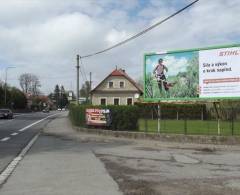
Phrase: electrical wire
(83, 70)
(47, 78)
(142, 32)
(82, 74)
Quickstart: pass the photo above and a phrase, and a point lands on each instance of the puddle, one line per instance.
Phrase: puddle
(185, 159)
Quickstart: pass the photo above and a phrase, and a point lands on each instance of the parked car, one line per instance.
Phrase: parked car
(6, 113)
(45, 110)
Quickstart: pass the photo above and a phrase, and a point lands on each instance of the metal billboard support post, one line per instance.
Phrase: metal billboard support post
(159, 116)
(219, 127)
(216, 106)
(232, 121)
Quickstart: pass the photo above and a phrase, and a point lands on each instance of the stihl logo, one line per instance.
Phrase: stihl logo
(229, 53)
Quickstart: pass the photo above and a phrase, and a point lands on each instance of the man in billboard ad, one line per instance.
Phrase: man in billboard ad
(160, 76)
(171, 75)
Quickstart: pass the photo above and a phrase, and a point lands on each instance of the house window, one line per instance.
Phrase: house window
(121, 84)
(116, 101)
(103, 101)
(110, 84)
(129, 101)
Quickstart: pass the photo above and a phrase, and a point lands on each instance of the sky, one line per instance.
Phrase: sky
(43, 37)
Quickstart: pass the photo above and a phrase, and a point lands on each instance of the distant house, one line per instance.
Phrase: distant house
(116, 89)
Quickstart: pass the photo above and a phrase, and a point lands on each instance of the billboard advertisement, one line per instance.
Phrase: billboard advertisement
(98, 117)
(193, 74)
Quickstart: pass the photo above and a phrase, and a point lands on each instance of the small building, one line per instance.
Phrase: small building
(116, 89)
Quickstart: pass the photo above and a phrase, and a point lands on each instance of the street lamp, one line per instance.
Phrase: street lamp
(6, 83)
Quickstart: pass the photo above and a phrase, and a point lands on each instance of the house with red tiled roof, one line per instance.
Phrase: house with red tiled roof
(116, 89)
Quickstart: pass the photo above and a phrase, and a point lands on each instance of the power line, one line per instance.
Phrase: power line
(142, 32)
(82, 74)
(47, 78)
(83, 70)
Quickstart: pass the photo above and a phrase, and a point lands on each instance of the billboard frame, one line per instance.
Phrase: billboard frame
(185, 99)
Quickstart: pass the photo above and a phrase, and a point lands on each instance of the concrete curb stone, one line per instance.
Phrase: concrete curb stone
(199, 139)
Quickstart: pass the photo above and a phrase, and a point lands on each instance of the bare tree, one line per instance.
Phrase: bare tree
(35, 85)
(25, 82)
(30, 83)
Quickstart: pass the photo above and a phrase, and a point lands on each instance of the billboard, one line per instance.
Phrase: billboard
(212, 72)
(98, 117)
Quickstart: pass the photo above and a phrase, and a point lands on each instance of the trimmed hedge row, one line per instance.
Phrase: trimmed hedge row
(126, 117)
(123, 117)
(170, 111)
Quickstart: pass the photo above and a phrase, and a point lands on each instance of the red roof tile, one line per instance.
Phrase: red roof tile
(120, 72)
(117, 72)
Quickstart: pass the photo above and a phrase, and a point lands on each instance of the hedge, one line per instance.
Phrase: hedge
(168, 111)
(126, 117)
(123, 117)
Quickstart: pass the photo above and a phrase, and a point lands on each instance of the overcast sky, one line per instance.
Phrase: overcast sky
(43, 36)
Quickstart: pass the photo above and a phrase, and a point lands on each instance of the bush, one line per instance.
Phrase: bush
(169, 111)
(15, 98)
(123, 117)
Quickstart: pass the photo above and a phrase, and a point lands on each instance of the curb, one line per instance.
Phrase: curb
(11, 166)
(196, 139)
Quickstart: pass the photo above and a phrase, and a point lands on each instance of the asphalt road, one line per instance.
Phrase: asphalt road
(16, 133)
(65, 161)
(57, 165)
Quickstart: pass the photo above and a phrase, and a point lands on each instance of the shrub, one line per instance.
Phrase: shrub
(169, 111)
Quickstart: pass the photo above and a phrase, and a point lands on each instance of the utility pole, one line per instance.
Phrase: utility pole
(77, 94)
(5, 90)
(90, 95)
(61, 96)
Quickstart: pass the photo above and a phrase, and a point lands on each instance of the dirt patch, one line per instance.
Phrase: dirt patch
(138, 181)
(194, 187)
(207, 150)
(148, 149)
(122, 175)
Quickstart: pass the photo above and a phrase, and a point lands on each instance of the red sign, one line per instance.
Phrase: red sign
(98, 117)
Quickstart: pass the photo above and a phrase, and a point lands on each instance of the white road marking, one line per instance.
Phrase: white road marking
(10, 168)
(14, 134)
(5, 139)
(27, 127)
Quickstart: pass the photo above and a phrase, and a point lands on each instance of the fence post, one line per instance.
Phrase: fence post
(185, 123)
(145, 124)
(232, 121)
(159, 115)
(208, 125)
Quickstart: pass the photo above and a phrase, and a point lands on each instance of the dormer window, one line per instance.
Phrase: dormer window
(110, 84)
(121, 83)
